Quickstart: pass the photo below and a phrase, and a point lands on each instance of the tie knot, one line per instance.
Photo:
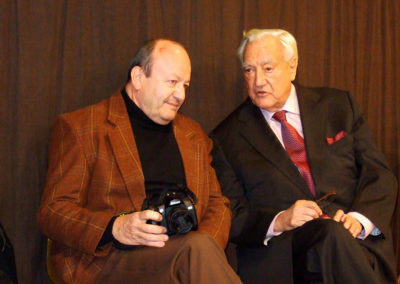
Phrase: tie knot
(280, 115)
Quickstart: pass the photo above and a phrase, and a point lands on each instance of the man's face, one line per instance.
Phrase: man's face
(268, 75)
(163, 92)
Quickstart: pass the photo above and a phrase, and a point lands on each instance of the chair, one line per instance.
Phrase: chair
(50, 267)
(8, 271)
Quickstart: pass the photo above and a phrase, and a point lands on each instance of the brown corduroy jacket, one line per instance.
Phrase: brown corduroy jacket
(94, 173)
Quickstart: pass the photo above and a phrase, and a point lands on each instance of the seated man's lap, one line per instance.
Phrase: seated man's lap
(325, 245)
(181, 257)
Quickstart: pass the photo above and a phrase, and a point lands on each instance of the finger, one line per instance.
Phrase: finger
(317, 208)
(158, 244)
(153, 229)
(307, 207)
(352, 226)
(312, 205)
(311, 212)
(137, 237)
(150, 237)
(357, 232)
(355, 227)
(300, 220)
(347, 222)
(338, 215)
(150, 215)
(353, 230)
(143, 241)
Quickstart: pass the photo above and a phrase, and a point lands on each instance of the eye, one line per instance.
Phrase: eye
(268, 69)
(186, 85)
(248, 70)
(172, 83)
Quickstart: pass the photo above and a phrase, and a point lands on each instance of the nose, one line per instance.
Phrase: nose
(179, 92)
(260, 77)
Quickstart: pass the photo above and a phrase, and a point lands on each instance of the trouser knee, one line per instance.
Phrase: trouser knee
(319, 232)
(199, 241)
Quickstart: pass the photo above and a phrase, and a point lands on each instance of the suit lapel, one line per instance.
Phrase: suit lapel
(124, 148)
(190, 154)
(313, 120)
(257, 132)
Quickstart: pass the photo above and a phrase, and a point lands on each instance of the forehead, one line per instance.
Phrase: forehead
(171, 58)
(267, 49)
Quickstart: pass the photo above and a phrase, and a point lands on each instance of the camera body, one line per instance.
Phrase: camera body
(177, 210)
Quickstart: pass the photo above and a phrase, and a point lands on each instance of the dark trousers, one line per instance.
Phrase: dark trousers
(325, 252)
(192, 258)
(320, 251)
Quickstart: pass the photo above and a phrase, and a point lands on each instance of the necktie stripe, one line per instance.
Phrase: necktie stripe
(294, 145)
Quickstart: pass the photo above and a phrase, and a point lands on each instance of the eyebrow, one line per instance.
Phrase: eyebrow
(268, 61)
(179, 78)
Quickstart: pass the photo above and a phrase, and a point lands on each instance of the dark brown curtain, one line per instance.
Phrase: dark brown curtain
(60, 55)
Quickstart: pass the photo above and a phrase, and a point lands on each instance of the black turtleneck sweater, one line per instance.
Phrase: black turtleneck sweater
(159, 155)
(158, 151)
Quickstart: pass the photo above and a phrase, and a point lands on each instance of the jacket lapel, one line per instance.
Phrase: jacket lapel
(257, 132)
(125, 151)
(314, 120)
(190, 154)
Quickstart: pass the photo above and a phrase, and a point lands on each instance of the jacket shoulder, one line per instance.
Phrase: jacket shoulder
(188, 125)
(91, 115)
(324, 93)
(233, 119)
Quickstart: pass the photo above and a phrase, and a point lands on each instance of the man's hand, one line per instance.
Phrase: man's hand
(349, 222)
(132, 229)
(296, 215)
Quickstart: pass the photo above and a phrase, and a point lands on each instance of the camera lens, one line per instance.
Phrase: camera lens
(180, 221)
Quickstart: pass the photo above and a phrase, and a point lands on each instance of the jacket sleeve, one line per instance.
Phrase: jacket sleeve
(249, 222)
(377, 186)
(217, 218)
(62, 215)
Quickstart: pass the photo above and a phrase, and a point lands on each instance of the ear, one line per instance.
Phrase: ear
(137, 77)
(293, 68)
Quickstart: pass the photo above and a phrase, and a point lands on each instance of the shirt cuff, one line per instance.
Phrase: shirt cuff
(271, 233)
(368, 227)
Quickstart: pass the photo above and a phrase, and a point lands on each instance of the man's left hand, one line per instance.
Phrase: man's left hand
(349, 222)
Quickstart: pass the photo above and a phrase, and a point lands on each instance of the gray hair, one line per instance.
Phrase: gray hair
(286, 38)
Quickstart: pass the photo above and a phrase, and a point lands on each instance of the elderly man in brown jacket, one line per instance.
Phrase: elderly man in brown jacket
(104, 160)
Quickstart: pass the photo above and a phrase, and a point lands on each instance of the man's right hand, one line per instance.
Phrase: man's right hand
(296, 215)
(132, 229)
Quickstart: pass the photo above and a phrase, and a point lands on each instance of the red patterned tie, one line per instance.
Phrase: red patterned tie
(294, 145)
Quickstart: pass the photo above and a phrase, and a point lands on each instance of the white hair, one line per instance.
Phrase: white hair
(286, 38)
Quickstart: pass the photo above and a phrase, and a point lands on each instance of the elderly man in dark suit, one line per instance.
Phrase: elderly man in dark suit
(311, 195)
(106, 159)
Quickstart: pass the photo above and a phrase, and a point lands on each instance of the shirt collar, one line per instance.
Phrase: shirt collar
(291, 105)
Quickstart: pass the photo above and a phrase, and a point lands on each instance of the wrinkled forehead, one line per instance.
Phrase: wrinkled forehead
(264, 50)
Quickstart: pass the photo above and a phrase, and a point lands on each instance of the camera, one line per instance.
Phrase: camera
(176, 205)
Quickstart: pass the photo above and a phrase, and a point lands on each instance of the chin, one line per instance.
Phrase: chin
(263, 103)
(168, 118)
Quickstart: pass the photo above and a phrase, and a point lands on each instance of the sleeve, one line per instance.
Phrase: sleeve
(217, 219)
(376, 188)
(256, 218)
(62, 215)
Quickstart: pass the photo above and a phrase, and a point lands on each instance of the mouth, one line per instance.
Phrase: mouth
(174, 105)
(261, 93)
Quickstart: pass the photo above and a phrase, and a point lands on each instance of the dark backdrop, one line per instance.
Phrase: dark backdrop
(57, 56)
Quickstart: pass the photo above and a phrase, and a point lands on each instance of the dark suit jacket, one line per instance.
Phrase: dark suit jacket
(258, 176)
(95, 173)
